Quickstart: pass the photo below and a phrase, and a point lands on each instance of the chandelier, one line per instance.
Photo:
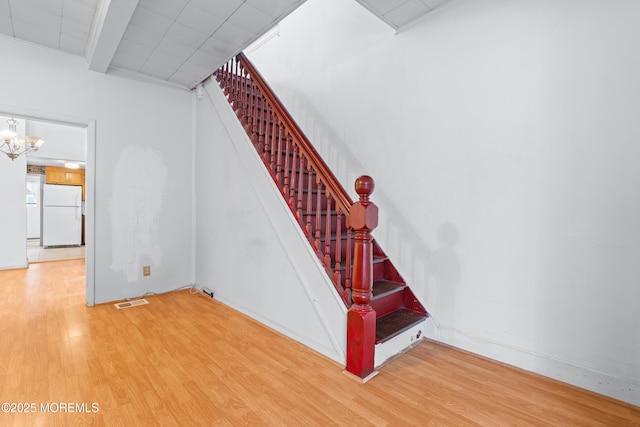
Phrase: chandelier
(13, 146)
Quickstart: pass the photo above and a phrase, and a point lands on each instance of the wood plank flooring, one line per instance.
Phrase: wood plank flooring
(187, 360)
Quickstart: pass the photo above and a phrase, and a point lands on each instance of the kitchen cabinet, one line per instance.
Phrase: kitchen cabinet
(64, 176)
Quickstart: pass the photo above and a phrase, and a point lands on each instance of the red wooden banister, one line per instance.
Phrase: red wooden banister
(320, 203)
(335, 188)
(337, 229)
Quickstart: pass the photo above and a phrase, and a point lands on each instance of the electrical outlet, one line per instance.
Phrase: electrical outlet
(146, 270)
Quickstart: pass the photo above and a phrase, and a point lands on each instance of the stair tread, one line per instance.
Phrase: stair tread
(322, 212)
(384, 287)
(333, 236)
(395, 323)
(296, 171)
(376, 259)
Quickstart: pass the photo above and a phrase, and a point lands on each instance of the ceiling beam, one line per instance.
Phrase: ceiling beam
(111, 22)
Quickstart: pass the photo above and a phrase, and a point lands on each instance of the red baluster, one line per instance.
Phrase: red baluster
(277, 154)
(236, 88)
(338, 254)
(347, 270)
(229, 78)
(309, 198)
(273, 128)
(248, 104)
(255, 122)
(327, 232)
(291, 180)
(226, 79)
(232, 81)
(264, 123)
(246, 99)
(361, 318)
(316, 243)
(265, 130)
(283, 157)
(300, 190)
(260, 125)
(241, 95)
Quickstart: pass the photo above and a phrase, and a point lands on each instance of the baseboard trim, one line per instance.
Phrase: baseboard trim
(624, 389)
(15, 267)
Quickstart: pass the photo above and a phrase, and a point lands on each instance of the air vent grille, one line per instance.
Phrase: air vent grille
(132, 303)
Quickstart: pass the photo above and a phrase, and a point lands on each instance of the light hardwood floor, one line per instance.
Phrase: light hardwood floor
(187, 360)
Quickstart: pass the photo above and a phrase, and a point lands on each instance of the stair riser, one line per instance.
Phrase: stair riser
(386, 271)
(388, 304)
(380, 272)
(398, 344)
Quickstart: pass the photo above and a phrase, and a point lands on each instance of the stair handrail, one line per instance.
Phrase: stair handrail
(336, 189)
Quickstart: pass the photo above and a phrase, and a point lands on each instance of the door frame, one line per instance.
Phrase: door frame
(90, 179)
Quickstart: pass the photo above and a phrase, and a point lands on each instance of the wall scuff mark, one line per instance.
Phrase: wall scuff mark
(139, 183)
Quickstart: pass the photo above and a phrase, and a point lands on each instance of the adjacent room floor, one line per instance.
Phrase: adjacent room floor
(36, 253)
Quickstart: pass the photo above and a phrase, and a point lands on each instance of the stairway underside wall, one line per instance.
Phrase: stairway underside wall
(250, 251)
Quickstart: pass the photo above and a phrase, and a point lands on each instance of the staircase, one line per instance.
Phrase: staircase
(320, 204)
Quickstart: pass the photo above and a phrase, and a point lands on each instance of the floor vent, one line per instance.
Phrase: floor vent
(133, 303)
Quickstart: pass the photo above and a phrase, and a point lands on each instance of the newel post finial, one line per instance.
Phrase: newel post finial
(361, 318)
(364, 187)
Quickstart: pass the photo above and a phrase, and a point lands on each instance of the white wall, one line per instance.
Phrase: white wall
(249, 249)
(503, 137)
(142, 164)
(13, 214)
(61, 141)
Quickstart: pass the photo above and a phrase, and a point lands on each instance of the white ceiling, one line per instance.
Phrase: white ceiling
(180, 42)
(177, 41)
(399, 13)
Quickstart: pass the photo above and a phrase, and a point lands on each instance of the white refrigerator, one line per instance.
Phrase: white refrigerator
(61, 215)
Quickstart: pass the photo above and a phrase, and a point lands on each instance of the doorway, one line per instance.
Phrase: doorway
(88, 127)
(55, 224)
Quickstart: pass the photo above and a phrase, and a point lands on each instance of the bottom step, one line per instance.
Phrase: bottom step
(395, 323)
(401, 342)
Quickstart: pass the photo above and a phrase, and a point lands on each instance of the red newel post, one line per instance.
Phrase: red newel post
(361, 318)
